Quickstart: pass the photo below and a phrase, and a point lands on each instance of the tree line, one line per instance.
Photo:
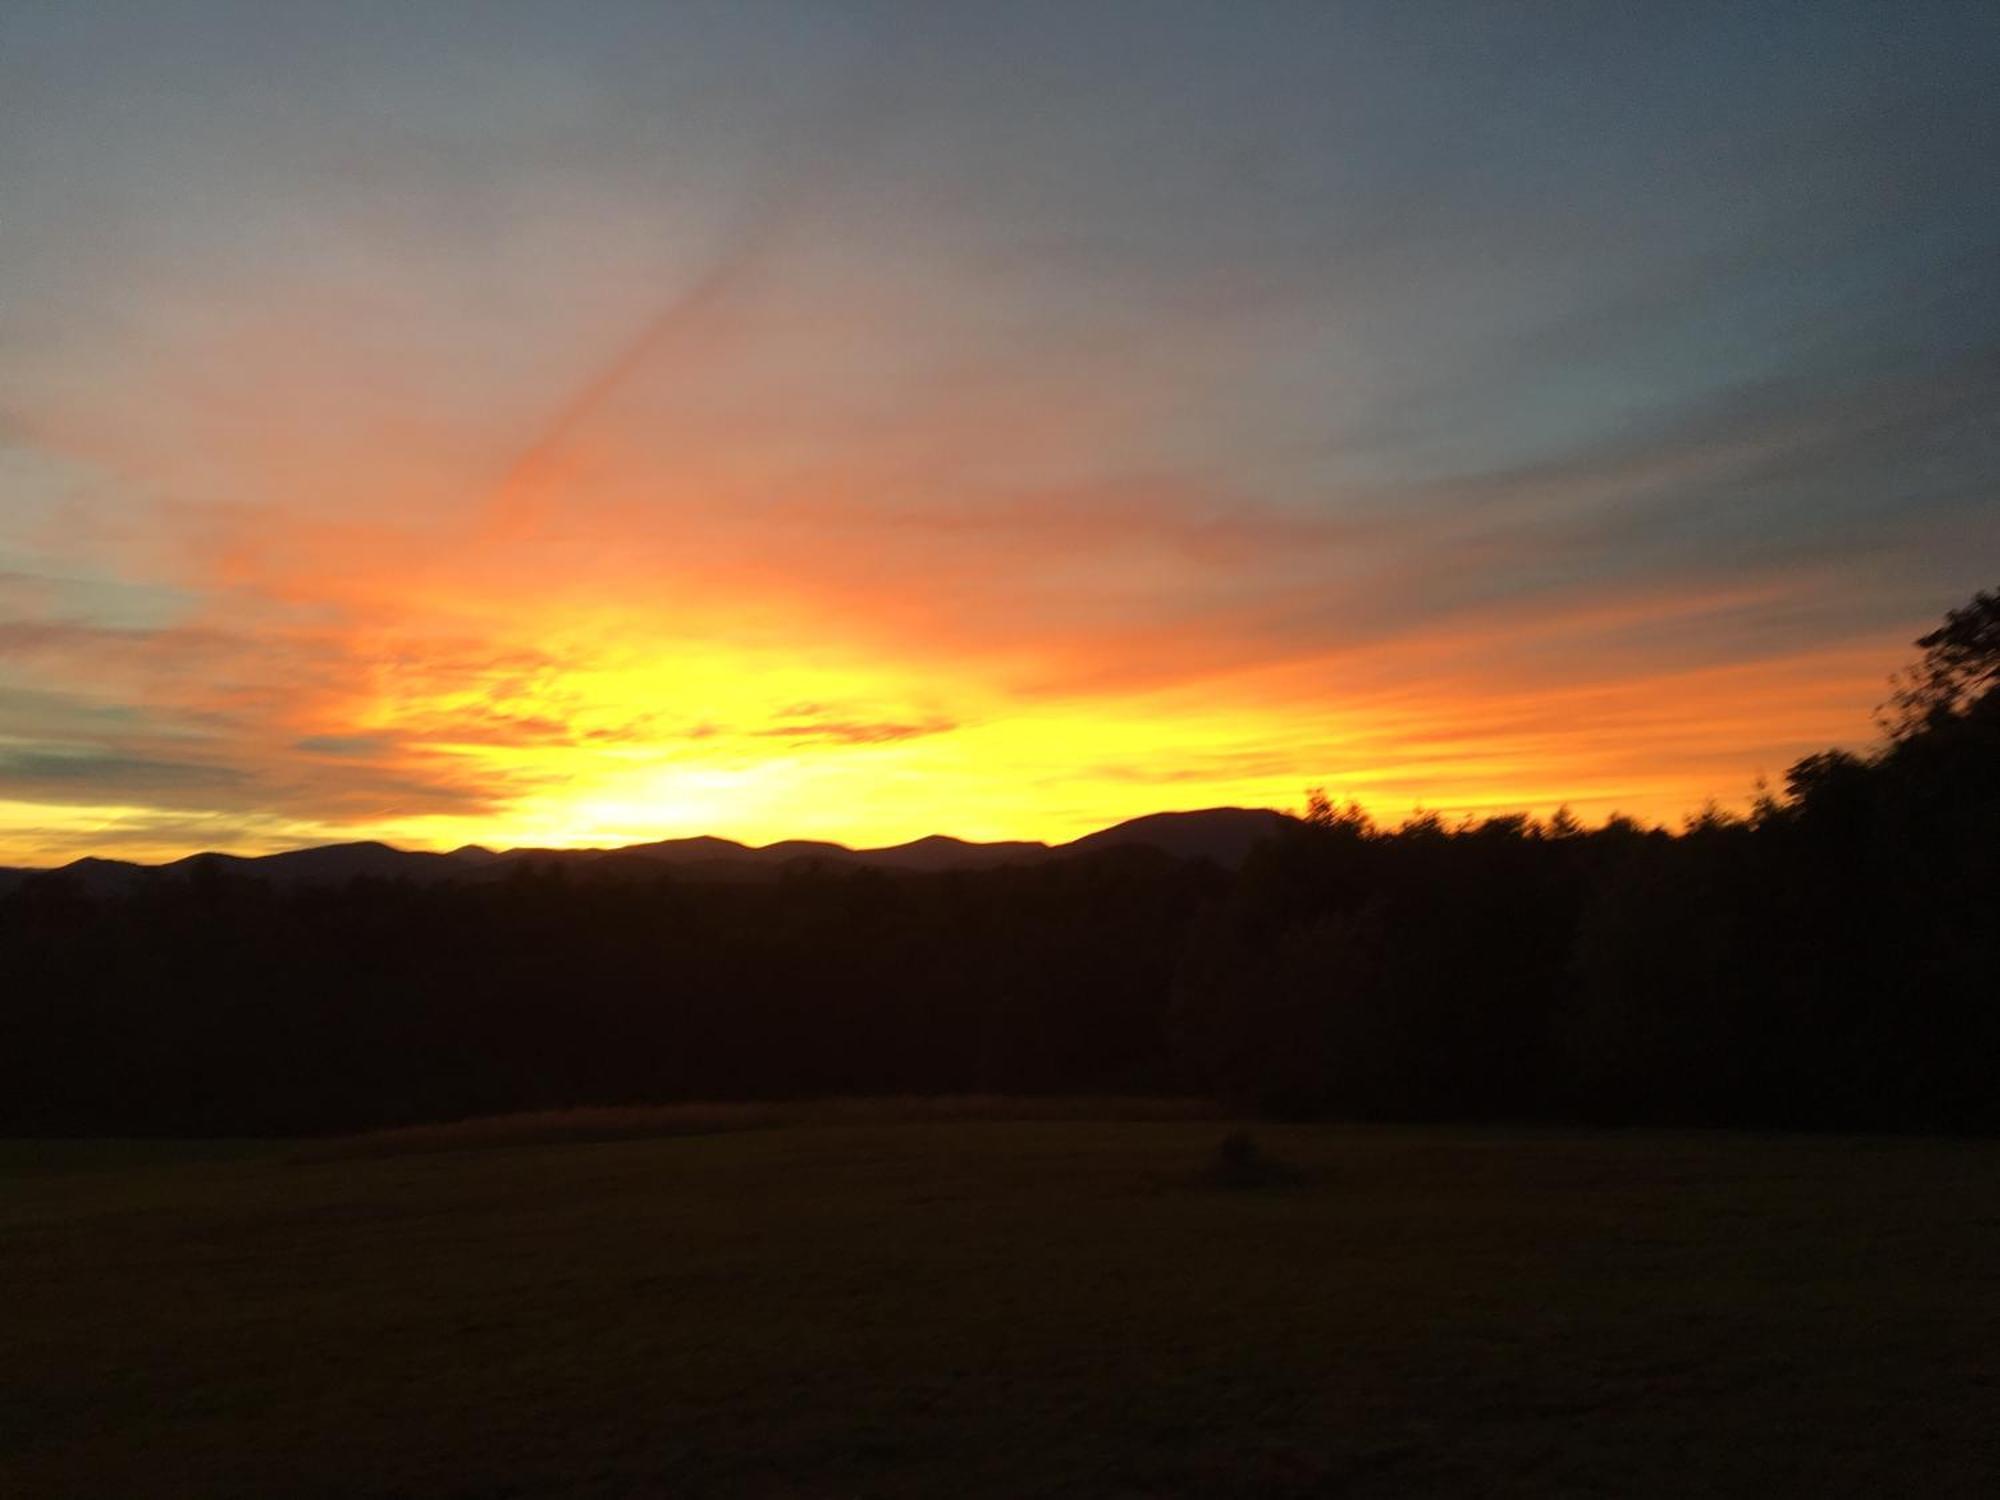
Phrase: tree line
(1830, 960)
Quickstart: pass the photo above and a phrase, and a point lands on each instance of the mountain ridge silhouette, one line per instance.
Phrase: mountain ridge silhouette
(1224, 835)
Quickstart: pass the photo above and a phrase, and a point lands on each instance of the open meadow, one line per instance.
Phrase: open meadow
(993, 1307)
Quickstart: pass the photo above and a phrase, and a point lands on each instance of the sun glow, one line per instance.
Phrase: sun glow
(423, 712)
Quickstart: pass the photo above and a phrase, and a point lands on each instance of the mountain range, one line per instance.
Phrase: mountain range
(1224, 835)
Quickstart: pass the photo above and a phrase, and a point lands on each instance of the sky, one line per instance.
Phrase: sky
(582, 423)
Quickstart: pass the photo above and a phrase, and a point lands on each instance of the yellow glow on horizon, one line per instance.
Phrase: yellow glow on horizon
(612, 737)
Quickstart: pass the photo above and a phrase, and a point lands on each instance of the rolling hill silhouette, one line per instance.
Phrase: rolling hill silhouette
(1224, 835)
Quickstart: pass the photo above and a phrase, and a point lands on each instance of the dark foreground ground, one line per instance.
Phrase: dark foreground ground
(1004, 1309)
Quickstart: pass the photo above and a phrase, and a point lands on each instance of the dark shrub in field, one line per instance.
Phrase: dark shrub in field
(1241, 1165)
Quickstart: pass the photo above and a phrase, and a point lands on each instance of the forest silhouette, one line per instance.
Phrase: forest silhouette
(1829, 960)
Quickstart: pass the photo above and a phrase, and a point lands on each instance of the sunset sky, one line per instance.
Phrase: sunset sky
(589, 423)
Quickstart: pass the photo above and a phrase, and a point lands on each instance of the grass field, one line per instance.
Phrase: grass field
(982, 1307)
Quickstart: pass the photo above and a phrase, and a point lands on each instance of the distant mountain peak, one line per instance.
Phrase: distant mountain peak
(1225, 835)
